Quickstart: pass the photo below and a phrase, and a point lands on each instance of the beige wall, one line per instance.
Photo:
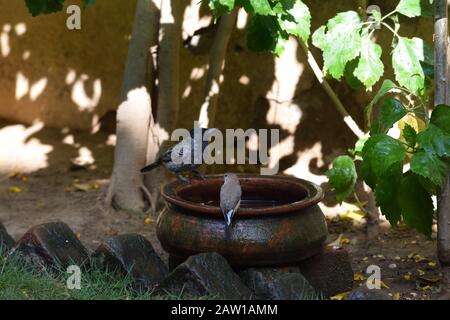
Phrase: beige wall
(65, 71)
(56, 75)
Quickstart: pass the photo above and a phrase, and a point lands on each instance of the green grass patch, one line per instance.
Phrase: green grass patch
(18, 283)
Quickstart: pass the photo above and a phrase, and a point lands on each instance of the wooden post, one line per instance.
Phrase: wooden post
(442, 97)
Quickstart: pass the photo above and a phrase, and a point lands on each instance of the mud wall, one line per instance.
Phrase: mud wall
(73, 78)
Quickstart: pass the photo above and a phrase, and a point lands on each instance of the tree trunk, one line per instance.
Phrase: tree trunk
(168, 94)
(216, 64)
(134, 113)
(442, 96)
(169, 64)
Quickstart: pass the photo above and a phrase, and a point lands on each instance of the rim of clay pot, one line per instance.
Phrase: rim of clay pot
(314, 194)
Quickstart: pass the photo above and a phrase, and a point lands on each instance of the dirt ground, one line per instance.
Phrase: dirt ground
(71, 193)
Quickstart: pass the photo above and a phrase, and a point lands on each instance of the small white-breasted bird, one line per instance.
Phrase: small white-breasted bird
(230, 196)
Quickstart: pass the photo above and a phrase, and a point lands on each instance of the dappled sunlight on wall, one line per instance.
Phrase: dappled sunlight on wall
(304, 158)
(62, 77)
(23, 87)
(20, 152)
(4, 40)
(79, 95)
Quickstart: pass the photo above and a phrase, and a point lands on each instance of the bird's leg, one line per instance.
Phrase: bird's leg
(183, 179)
(197, 174)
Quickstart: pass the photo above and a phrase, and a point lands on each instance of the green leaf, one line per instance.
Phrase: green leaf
(88, 3)
(440, 117)
(368, 174)
(415, 203)
(281, 45)
(387, 86)
(431, 188)
(220, 7)
(406, 59)
(391, 111)
(341, 42)
(410, 135)
(380, 152)
(298, 21)
(38, 7)
(262, 33)
(319, 37)
(415, 8)
(434, 140)
(342, 177)
(429, 166)
(370, 67)
(359, 145)
(349, 77)
(261, 7)
(386, 193)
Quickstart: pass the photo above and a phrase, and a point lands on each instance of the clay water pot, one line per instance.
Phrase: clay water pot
(279, 221)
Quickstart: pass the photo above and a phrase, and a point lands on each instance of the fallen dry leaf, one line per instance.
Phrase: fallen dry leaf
(354, 215)
(86, 187)
(340, 296)
(418, 258)
(429, 279)
(358, 277)
(15, 189)
(337, 242)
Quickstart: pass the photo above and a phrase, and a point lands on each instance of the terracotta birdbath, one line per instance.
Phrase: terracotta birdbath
(278, 223)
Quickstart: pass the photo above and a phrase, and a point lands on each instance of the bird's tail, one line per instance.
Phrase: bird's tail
(229, 216)
(152, 166)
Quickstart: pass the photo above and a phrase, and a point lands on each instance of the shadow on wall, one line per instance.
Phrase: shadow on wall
(72, 79)
(64, 78)
(55, 77)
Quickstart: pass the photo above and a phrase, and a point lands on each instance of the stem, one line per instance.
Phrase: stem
(390, 28)
(389, 14)
(353, 126)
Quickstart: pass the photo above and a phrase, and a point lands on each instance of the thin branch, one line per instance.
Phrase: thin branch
(338, 104)
(208, 109)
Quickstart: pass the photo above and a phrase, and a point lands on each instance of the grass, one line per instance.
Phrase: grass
(18, 283)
